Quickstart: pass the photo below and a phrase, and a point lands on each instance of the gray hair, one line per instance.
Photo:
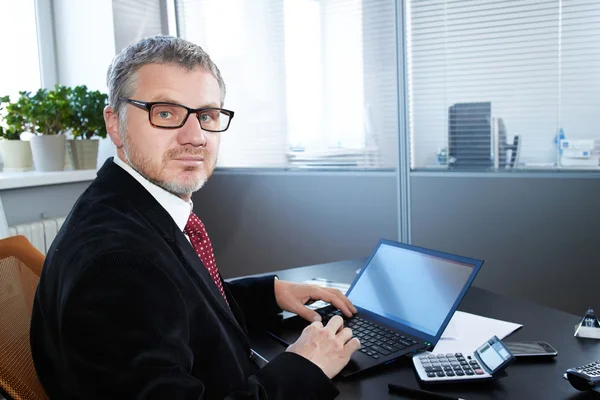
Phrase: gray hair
(122, 73)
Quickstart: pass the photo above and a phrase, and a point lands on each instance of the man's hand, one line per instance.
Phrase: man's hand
(292, 297)
(329, 347)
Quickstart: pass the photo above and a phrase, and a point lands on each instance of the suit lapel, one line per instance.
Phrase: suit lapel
(196, 268)
(121, 182)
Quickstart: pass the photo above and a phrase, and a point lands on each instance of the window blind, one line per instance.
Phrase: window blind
(136, 19)
(313, 83)
(497, 84)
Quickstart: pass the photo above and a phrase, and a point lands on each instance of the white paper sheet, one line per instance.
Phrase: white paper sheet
(466, 332)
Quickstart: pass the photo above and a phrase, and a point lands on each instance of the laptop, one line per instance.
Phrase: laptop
(405, 296)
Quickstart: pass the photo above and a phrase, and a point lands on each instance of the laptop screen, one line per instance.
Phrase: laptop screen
(415, 287)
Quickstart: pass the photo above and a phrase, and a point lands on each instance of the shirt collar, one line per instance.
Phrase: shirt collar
(177, 208)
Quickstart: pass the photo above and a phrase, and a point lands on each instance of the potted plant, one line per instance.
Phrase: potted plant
(48, 116)
(87, 126)
(16, 154)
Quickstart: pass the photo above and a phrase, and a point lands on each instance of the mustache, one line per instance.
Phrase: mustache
(177, 153)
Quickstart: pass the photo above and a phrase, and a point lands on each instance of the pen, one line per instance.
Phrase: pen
(420, 394)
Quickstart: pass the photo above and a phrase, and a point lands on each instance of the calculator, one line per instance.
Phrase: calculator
(487, 362)
(585, 377)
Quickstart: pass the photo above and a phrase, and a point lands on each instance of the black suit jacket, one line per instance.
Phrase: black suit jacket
(125, 309)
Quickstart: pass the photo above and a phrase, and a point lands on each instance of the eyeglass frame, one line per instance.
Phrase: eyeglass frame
(147, 105)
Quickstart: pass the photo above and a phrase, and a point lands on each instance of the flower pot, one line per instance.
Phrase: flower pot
(48, 152)
(83, 153)
(16, 155)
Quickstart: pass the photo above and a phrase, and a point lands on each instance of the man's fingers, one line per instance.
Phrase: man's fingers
(342, 297)
(316, 324)
(308, 314)
(337, 299)
(345, 335)
(352, 345)
(338, 293)
(335, 324)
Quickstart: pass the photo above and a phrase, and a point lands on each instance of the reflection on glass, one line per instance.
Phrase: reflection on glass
(412, 288)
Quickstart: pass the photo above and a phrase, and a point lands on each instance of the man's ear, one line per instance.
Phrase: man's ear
(112, 126)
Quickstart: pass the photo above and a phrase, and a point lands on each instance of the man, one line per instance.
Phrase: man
(130, 302)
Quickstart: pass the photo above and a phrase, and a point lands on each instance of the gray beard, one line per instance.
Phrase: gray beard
(171, 187)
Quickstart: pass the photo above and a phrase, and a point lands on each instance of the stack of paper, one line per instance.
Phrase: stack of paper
(466, 332)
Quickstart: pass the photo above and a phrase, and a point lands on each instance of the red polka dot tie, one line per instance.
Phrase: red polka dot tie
(199, 238)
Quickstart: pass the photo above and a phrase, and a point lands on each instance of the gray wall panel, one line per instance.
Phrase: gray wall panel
(265, 221)
(539, 236)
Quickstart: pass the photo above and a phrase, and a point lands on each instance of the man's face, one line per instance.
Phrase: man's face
(178, 160)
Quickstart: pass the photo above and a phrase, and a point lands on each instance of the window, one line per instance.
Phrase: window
(304, 78)
(135, 19)
(20, 66)
(504, 84)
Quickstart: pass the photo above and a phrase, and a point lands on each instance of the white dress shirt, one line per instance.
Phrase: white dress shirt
(177, 208)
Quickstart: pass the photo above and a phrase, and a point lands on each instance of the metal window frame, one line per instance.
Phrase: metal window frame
(46, 38)
(403, 170)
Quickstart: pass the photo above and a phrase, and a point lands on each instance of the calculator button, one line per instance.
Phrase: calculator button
(440, 374)
(431, 375)
(449, 373)
(469, 372)
(459, 373)
(458, 355)
(423, 358)
(448, 368)
(479, 371)
(457, 368)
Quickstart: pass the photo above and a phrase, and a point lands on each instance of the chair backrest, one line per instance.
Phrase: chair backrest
(20, 268)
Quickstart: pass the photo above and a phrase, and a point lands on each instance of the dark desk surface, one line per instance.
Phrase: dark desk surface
(525, 380)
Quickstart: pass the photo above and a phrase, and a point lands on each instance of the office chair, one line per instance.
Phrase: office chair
(20, 268)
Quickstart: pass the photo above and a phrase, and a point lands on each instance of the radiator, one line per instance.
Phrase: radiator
(40, 233)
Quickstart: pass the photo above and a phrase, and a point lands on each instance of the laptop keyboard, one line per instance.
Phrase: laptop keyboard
(375, 340)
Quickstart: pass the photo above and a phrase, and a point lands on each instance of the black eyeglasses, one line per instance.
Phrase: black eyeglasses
(172, 116)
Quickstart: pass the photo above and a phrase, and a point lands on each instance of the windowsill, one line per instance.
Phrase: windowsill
(507, 173)
(16, 180)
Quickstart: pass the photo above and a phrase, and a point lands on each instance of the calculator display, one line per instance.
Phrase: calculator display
(493, 354)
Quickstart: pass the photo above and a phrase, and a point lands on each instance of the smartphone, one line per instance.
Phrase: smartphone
(531, 349)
